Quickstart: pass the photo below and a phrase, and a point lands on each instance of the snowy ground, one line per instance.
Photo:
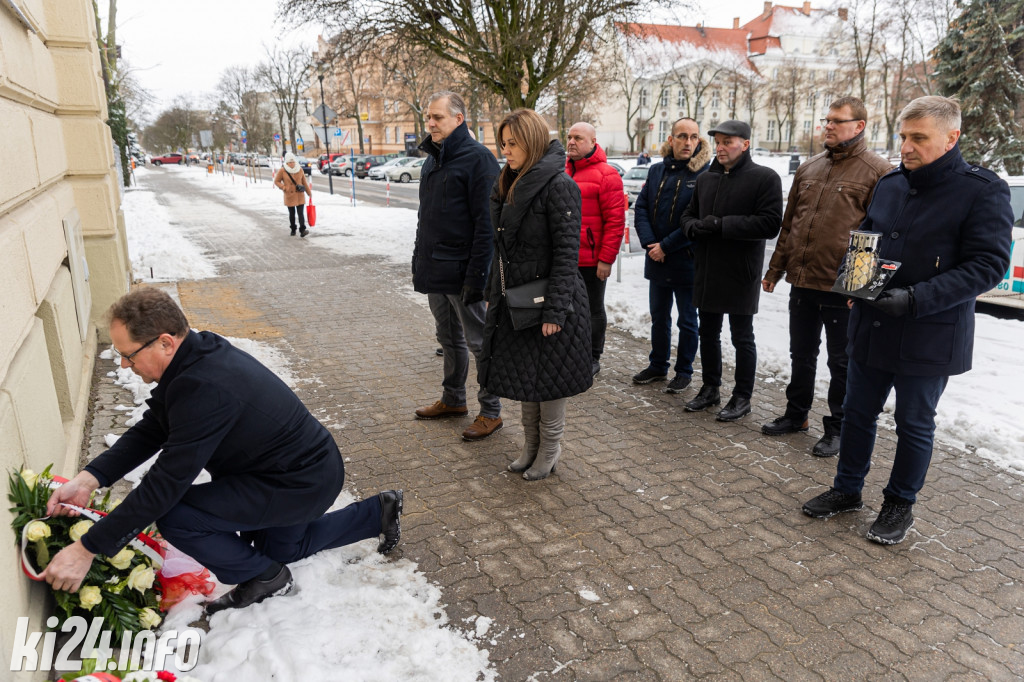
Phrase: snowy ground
(979, 412)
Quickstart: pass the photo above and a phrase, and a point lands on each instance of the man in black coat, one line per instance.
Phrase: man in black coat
(949, 224)
(275, 469)
(735, 208)
(452, 255)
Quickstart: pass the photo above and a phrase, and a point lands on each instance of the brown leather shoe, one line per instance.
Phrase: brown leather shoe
(481, 427)
(439, 411)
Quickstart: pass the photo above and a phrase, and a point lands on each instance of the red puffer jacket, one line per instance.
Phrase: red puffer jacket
(604, 207)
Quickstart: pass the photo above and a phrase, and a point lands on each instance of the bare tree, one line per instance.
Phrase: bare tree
(416, 73)
(352, 75)
(517, 48)
(285, 75)
(784, 92)
(240, 97)
(639, 65)
(177, 128)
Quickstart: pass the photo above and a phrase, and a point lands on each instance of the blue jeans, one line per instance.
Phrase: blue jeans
(460, 329)
(809, 311)
(742, 329)
(916, 400)
(661, 297)
(236, 552)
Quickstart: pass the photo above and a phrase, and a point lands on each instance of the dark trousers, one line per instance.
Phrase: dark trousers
(809, 311)
(662, 295)
(236, 552)
(301, 212)
(598, 317)
(916, 399)
(742, 329)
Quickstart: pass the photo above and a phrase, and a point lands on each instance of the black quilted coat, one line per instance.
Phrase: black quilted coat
(540, 233)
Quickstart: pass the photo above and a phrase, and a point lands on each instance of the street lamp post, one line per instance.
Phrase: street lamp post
(327, 144)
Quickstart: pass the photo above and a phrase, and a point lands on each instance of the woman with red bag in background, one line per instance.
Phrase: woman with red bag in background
(293, 182)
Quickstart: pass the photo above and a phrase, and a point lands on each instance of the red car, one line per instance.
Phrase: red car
(167, 158)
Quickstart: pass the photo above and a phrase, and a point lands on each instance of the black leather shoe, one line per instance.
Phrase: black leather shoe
(827, 446)
(832, 502)
(707, 397)
(595, 367)
(390, 520)
(783, 425)
(253, 592)
(736, 407)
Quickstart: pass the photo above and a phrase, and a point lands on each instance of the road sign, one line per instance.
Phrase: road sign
(277, 137)
(324, 113)
(206, 138)
(245, 136)
(337, 132)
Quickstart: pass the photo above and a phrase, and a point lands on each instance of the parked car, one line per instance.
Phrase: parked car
(366, 162)
(322, 161)
(1010, 292)
(377, 172)
(760, 151)
(633, 181)
(305, 164)
(342, 165)
(167, 158)
(406, 173)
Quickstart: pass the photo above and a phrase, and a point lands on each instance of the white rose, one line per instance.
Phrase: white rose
(79, 529)
(29, 477)
(122, 559)
(89, 596)
(37, 530)
(149, 618)
(141, 578)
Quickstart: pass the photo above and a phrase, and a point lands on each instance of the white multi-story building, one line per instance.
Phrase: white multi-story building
(779, 72)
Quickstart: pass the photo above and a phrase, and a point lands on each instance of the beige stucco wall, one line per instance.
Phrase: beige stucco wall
(58, 164)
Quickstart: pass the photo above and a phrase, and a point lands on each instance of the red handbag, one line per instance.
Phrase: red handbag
(311, 213)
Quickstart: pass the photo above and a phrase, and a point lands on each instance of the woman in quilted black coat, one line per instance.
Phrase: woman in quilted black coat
(536, 215)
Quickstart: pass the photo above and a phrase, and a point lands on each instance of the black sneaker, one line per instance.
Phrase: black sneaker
(827, 446)
(678, 384)
(832, 502)
(648, 375)
(390, 520)
(893, 522)
(783, 425)
(253, 592)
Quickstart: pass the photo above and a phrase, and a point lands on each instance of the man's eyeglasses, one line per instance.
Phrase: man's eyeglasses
(835, 122)
(130, 357)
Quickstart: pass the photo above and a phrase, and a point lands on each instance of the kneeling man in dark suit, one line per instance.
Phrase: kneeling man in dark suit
(275, 469)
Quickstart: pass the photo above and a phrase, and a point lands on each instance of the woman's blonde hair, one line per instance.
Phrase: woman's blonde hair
(530, 132)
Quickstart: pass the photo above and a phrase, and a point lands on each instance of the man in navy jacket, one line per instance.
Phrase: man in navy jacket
(669, 262)
(275, 469)
(452, 255)
(949, 223)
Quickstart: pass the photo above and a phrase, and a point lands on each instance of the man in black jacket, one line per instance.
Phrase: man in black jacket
(275, 469)
(735, 208)
(949, 224)
(452, 255)
(669, 261)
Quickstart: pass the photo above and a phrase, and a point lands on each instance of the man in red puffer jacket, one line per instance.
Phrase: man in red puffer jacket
(604, 220)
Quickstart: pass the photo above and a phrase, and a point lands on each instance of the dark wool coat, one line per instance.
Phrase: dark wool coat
(604, 207)
(748, 199)
(661, 203)
(540, 233)
(217, 408)
(949, 224)
(453, 236)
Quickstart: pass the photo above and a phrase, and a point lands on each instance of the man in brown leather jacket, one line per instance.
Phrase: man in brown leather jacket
(829, 197)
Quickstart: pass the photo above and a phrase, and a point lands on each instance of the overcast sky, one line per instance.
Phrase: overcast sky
(181, 47)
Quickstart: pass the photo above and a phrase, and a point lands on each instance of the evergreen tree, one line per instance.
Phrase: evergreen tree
(979, 62)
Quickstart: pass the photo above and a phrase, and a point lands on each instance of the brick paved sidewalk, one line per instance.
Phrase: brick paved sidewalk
(668, 546)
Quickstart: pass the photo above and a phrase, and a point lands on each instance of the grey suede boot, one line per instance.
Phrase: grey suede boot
(526, 459)
(542, 467)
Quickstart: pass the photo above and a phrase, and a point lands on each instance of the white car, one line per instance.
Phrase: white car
(1010, 292)
(633, 181)
(377, 172)
(406, 173)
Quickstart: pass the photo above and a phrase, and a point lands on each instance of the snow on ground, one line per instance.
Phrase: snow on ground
(979, 411)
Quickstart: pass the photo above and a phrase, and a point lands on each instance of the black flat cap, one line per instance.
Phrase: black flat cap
(734, 128)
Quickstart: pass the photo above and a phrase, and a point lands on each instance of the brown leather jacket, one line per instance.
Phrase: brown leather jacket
(829, 197)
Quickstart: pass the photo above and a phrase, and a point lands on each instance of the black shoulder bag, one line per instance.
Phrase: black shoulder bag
(525, 302)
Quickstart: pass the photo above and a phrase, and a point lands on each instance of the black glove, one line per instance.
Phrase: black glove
(471, 295)
(707, 227)
(896, 302)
